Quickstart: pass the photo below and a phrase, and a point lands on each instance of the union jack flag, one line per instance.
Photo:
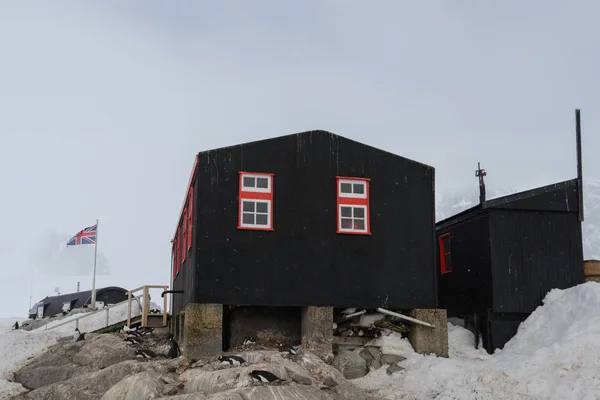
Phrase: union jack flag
(86, 236)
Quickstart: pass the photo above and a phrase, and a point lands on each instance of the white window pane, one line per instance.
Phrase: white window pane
(359, 212)
(262, 207)
(248, 206)
(248, 218)
(346, 223)
(262, 219)
(249, 182)
(359, 188)
(262, 183)
(346, 212)
(359, 224)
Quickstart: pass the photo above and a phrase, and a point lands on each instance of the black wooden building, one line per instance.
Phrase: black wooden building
(306, 219)
(500, 258)
(56, 305)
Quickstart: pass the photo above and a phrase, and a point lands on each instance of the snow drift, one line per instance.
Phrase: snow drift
(553, 356)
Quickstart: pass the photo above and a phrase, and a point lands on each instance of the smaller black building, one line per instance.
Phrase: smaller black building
(500, 258)
(55, 305)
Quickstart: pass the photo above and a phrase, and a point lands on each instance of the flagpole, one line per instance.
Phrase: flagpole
(94, 277)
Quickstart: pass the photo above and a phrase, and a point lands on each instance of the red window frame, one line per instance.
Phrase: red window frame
(177, 256)
(256, 194)
(173, 258)
(189, 218)
(444, 267)
(354, 200)
(184, 235)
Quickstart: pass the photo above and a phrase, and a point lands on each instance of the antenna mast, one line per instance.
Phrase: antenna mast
(480, 173)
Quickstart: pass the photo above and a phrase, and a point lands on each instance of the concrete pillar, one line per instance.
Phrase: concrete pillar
(202, 331)
(426, 340)
(317, 331)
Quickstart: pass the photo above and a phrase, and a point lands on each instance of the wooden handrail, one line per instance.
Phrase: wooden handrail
(146, 306)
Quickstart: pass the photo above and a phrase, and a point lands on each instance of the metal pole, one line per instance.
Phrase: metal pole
(579, 166)
(94, 277)
(77, 287)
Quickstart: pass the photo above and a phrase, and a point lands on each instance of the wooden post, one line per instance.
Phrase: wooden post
(165, 307)
(145, 308)
(128, 309)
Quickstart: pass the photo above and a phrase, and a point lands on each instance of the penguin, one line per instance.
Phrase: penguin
(174, 351)
(249, 340)
(289, 349)
(145, 353)
(16, 326)
(76, 335)
(81, 337)
(263, 376)
(146, 331)
(232, 360)
(132, 340)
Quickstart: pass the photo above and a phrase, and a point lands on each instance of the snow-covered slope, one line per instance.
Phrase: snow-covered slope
(448, 204)
(553, 356)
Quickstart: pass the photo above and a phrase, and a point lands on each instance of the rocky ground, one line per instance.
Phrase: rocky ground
(105, 367)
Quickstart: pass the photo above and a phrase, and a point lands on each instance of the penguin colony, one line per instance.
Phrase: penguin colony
(135, 337)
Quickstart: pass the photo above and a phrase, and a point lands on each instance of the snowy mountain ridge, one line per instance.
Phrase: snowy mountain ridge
(450, 204)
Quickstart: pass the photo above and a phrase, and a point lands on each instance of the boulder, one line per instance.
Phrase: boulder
(350, 364)
(54, 365)
(189, 396)
(347, 391)
(91, 386)
(141, 386)
(209, 382)
(393, 368)
(273, 392)
(391, 359)
(321, 372)
(103, 351)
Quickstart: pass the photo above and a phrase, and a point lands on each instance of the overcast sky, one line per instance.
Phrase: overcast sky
(103, 106)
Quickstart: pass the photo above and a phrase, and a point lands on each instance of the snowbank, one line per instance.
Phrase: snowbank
(553, 356)
(15, 348)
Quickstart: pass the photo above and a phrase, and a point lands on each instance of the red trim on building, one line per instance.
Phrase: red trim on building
(444, 268)
(353, 201)
(190, 220)
(255, 195)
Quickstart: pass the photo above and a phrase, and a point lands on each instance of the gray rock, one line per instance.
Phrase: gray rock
(190, 396)
(209, 382)
(53, 365)
(350, 364)
(103, 351)
(375, 352)
(376, 364)
(273, 392)
(296, 372)
(391, 359)
(172, 388)
(320, 371)
(92, 386)
(393, 369)
(141, 386)
(347, 391)
(329, 381)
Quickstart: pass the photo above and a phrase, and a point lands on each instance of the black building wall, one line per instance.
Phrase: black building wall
(303, 261)
(468, 288)
(533, 252)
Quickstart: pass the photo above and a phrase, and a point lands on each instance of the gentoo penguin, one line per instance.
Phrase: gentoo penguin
(132, 340)
(289, 349)
(81, 337)
(232, 360)
(76, 335)
(145, 353)
(263, 376)
(249, 340)
(174, 351)
(146, 331)
(16, 325)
